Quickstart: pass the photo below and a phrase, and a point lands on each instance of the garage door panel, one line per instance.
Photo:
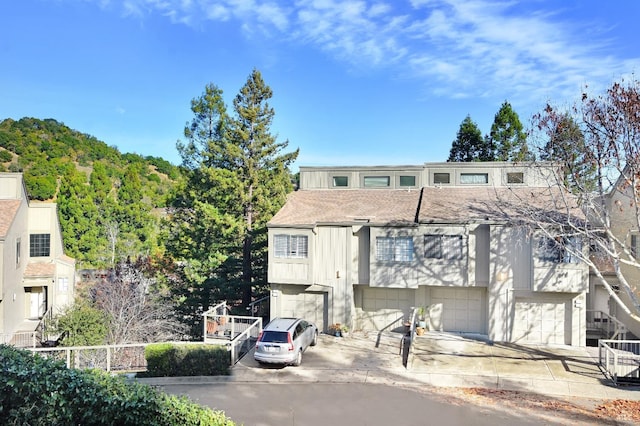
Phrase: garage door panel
(308, 305)
(539, 322)
(382, 306)
(462, 309)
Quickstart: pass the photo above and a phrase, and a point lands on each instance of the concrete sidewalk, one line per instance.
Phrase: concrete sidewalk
(439, 359)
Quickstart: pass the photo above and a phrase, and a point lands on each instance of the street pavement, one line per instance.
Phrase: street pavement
(436, 359)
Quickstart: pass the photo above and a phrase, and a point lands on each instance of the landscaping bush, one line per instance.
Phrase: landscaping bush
(38, 391)
(168, 360)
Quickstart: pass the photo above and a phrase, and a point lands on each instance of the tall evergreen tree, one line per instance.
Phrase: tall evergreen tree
(469, 144)
(237, 177)
(566, 145)
(507, 137)
(78, 216)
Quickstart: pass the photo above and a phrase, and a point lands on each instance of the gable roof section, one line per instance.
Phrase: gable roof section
(502, 205)
(309, 208)
(40, 270)
(8, 210)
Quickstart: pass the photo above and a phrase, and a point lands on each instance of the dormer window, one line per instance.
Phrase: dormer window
(407, 181)
(376, 181)
(515, 177)
(474, 178)
(340, 181)
(441, 178)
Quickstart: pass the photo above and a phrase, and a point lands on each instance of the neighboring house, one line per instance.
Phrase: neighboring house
(361, 246)
(36, 275)
(621, 203)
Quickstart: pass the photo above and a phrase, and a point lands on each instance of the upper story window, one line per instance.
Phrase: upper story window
(441, 178)
(515, 177)
(39, 245)
(447, 247)
(376, 181)
(474, 178)
(395, 249)
(18, 251)
(291, 246)
(340, 181)
(560, 249)
(407, 181)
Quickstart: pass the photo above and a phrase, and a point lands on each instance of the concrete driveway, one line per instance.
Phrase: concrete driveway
(443, 359)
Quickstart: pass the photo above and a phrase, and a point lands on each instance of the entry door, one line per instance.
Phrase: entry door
(37, 302)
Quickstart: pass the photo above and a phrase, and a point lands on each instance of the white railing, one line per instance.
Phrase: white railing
(117, 358)
(620, 360)
(238, 333)
(22, 339)
(608, 326)
(246, 339)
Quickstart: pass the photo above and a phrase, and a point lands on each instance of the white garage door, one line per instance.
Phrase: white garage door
(462, 308)
(539, 322)
(382, 307)
(311, 306)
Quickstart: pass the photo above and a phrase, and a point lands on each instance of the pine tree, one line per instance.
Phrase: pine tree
(469, 144)
(566, 146)
(507, 137)
(237, 178)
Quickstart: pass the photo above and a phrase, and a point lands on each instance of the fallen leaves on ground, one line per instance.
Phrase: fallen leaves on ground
(601, 411)
(620, 409)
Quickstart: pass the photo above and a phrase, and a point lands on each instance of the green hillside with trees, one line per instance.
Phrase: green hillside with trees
(182, 238)
(108, 201)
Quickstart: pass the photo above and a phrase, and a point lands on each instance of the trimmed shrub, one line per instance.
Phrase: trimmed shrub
(38, 391)
(169, 360)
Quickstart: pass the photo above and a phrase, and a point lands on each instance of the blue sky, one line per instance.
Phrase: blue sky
(355, 82)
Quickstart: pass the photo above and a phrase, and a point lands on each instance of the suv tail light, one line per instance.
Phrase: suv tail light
(260, 336)
(290, 342)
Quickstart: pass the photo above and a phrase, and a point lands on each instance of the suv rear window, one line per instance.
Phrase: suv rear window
(274, 337)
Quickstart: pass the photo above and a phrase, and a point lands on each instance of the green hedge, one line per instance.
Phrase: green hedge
(38, 391)
(170, 360)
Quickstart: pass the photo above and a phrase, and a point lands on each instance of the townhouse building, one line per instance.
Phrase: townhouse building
(36, 276)
(362, 246)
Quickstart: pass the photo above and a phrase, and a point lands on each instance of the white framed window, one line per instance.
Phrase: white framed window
(63, 284)
(394, 249)
(562, 249)
(474, 178)
(18, 251)
(447, 247)
(291, 246)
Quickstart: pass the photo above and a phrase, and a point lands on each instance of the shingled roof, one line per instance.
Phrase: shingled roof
(8, 210)
(463, 205)
(428, 205)
(348, 206)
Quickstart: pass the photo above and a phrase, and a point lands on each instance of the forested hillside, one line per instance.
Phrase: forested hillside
(109, 202)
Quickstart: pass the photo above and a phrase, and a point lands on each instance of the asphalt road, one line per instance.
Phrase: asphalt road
(335, 404)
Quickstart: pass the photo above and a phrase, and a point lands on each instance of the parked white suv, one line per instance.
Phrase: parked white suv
(283, 341)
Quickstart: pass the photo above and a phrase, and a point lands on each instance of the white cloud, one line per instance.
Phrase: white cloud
(472, 47)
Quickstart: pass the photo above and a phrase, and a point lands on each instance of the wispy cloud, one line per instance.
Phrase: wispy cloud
(457, 48)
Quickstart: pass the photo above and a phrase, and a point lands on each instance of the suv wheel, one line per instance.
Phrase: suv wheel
(298, 359)
(315, 339)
